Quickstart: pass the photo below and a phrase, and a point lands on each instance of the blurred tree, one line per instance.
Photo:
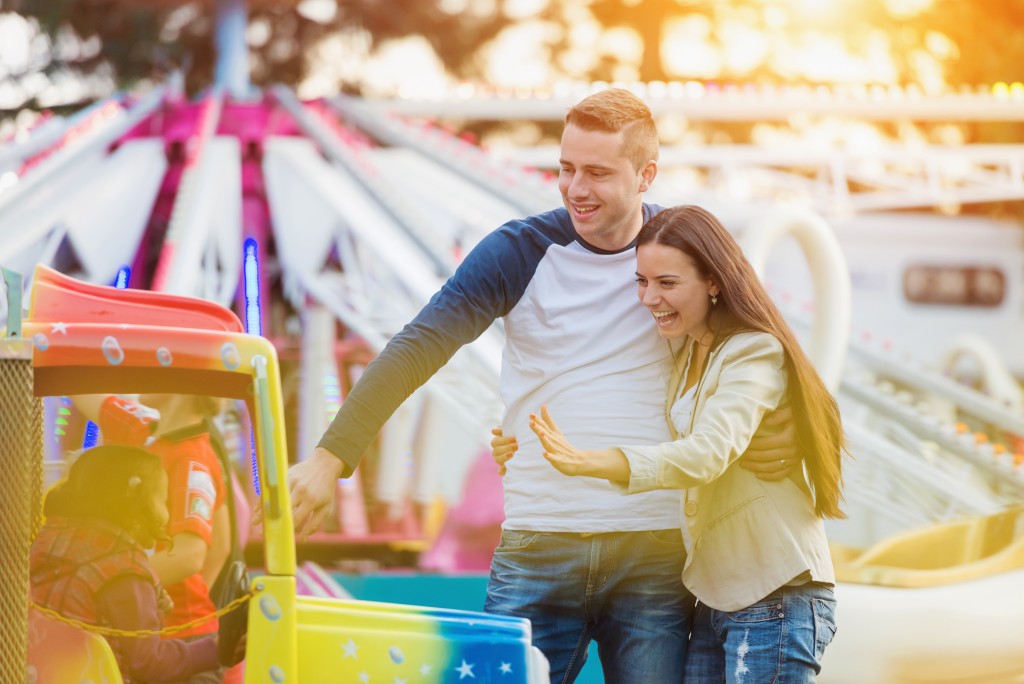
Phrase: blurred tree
(975, 42)
(646, 18)
(946, 41)
(141, 38)
(989, 42)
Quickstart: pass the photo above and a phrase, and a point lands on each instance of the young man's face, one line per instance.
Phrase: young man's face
(601, 188)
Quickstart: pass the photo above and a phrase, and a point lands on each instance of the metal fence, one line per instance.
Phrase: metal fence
(21, 478)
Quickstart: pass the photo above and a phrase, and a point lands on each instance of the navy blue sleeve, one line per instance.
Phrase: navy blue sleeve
(486, 286)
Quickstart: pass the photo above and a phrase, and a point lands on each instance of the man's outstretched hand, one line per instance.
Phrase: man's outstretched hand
(312, 484)
(772, 453)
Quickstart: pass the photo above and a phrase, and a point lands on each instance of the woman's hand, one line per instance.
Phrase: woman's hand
(557, 449)
(502, 448)
(164, 602)
(607, 463)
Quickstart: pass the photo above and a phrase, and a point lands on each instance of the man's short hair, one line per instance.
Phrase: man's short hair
(614, 110)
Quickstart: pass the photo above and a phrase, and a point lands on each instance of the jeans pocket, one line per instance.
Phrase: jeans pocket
(768, 608)
(824, 624)
(517, 540)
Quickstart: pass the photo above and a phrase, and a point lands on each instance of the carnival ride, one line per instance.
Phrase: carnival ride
(328, 224)
(93, 339)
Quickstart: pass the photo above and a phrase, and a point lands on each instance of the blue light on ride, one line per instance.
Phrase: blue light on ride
(253, 322)
(124, 274)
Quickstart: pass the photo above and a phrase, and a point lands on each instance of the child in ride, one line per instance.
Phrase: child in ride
(89, 560)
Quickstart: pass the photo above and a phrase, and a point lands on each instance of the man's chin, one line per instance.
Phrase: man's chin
(586, 228)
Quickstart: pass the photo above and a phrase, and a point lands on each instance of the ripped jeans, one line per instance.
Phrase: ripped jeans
(778, 640)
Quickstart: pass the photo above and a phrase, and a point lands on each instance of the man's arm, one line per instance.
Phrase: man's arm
(220, 546)
(485, 287)
(121, 421)
(409, 360)
(184, 559)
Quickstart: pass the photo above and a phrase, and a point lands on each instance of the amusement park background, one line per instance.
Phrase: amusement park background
(321, 167)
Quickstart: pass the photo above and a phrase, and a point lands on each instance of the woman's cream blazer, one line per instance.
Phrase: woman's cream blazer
(745, 537)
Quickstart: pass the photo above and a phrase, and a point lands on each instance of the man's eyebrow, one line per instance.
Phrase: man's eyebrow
(589, 167)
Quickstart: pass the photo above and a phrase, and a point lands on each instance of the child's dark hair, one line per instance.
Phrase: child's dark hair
(114, 484)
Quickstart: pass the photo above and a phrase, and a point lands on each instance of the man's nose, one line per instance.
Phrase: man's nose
(578, 186)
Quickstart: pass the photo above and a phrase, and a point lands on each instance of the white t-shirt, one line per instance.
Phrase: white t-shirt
(580, 342)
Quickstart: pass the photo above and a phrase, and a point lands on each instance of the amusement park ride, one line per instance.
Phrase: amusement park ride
(327, 224)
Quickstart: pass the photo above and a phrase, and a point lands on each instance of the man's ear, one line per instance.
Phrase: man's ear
(647, 174)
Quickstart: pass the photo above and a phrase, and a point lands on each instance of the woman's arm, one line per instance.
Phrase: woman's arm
(609, 464)
(751, 383)
(129, 603)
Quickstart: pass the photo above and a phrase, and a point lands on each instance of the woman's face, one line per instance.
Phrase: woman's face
(672, 289)
(160, 499)
(159, 514)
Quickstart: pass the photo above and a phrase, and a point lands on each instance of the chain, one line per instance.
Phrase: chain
(138, 633)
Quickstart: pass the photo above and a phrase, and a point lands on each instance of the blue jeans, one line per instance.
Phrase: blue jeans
(621, 589)
(778, 640)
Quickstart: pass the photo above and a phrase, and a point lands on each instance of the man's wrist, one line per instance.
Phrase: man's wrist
(333, 460)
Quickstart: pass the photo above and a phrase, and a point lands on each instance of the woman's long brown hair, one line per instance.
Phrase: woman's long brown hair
(744, 305)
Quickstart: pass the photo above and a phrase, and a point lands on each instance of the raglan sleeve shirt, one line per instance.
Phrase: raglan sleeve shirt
(751, 383)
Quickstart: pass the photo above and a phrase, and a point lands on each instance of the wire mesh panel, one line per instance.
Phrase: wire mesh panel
(21, 477)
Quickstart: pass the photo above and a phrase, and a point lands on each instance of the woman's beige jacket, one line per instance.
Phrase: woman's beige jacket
(745, 537)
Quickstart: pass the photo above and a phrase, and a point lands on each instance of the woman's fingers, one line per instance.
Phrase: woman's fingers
(548, 419)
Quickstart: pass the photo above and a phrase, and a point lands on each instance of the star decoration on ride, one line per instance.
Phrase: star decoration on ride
(465, 670)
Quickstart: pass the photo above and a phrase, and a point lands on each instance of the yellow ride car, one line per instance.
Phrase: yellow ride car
(91, 339)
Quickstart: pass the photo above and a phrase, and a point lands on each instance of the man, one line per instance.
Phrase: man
(577, 557)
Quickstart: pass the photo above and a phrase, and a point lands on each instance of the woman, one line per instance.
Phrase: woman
(758, 560)
(89, 560)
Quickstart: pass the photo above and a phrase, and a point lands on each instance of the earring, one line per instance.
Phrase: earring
(714, 300)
